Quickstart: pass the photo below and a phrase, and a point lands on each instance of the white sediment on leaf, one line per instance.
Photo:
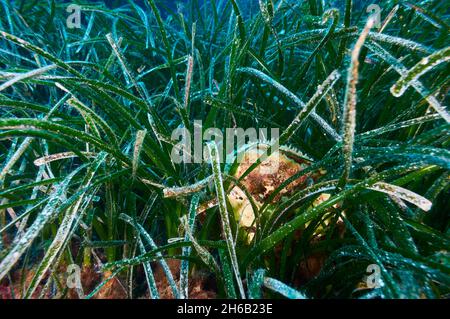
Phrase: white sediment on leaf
(59, 156)
(413, 74)
(27, 75)
(33, 231)
(291, 96)
(140, 136)
(403, 193)
(220, 192)
(416, 84)
(350, 102)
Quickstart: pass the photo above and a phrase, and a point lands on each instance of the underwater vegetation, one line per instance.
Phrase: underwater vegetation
(342, 193)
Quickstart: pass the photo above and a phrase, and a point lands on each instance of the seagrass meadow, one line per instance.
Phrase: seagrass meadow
(93, 204)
